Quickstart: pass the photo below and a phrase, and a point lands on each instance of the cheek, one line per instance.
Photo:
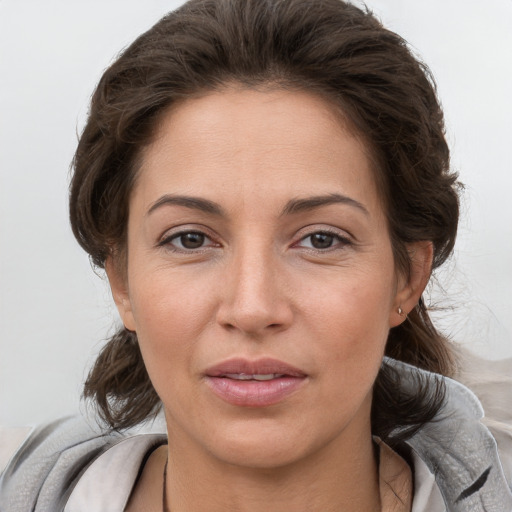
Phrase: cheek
(350, 324)
(352, 305)
(170, 312)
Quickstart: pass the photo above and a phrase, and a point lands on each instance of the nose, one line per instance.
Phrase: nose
(255, 299)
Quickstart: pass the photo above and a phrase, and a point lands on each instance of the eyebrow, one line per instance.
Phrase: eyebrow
(310, 203)
(194, 203)
(292, 207)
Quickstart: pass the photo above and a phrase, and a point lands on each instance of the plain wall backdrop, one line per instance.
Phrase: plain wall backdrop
(55, 313)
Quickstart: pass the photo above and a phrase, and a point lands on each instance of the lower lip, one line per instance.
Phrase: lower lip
(254, 393)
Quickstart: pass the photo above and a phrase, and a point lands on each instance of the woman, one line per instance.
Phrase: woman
(267, 186)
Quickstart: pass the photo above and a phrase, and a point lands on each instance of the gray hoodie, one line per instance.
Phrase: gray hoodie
(456, 462)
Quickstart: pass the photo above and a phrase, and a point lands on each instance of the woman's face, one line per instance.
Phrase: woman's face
(260, 277)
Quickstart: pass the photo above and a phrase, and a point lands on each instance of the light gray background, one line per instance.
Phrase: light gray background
(55, 312)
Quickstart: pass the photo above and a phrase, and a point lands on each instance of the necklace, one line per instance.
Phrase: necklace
(165, 508)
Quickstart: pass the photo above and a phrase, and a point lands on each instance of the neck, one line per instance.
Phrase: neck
(340, 477)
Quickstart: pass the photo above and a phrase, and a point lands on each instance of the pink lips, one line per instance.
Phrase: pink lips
(254, 383)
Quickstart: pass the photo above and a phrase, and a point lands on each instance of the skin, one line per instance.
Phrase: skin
(260, 286)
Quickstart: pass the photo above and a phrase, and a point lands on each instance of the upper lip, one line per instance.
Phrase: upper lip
(262, 366)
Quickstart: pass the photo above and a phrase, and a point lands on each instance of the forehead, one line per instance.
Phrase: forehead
(251, 143)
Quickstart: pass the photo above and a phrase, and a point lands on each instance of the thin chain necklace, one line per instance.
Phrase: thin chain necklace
(165, 508)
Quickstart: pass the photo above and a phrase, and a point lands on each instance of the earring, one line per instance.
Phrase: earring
(400, 311)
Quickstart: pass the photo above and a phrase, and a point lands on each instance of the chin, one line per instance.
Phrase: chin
(258, 455)
(264, 446)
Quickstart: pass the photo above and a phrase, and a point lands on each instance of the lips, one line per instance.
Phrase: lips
(258, 383)
(253, 376)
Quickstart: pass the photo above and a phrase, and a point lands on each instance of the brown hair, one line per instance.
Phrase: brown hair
(328, 47)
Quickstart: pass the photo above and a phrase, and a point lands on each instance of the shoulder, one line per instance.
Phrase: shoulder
(491, 382)
(46, 467)
(468, 462)
(10, 440)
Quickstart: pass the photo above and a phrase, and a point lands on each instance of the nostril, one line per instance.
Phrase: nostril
(254, 314)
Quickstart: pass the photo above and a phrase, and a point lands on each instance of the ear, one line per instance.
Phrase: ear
(119, 288)
(410, 288)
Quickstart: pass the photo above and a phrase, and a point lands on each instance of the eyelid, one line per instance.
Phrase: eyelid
(343, 236)
(177, 231)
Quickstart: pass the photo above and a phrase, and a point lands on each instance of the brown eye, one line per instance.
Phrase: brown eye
(187, 241)
(191, 240)
(321, 240)
(324, 240)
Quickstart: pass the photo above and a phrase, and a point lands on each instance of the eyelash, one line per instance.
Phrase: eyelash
(338, 242)
(167, 241)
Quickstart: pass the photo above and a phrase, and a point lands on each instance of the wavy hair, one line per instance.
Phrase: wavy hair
(327, 47)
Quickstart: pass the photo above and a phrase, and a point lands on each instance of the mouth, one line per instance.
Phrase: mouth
(258, 383)
(254, 376)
